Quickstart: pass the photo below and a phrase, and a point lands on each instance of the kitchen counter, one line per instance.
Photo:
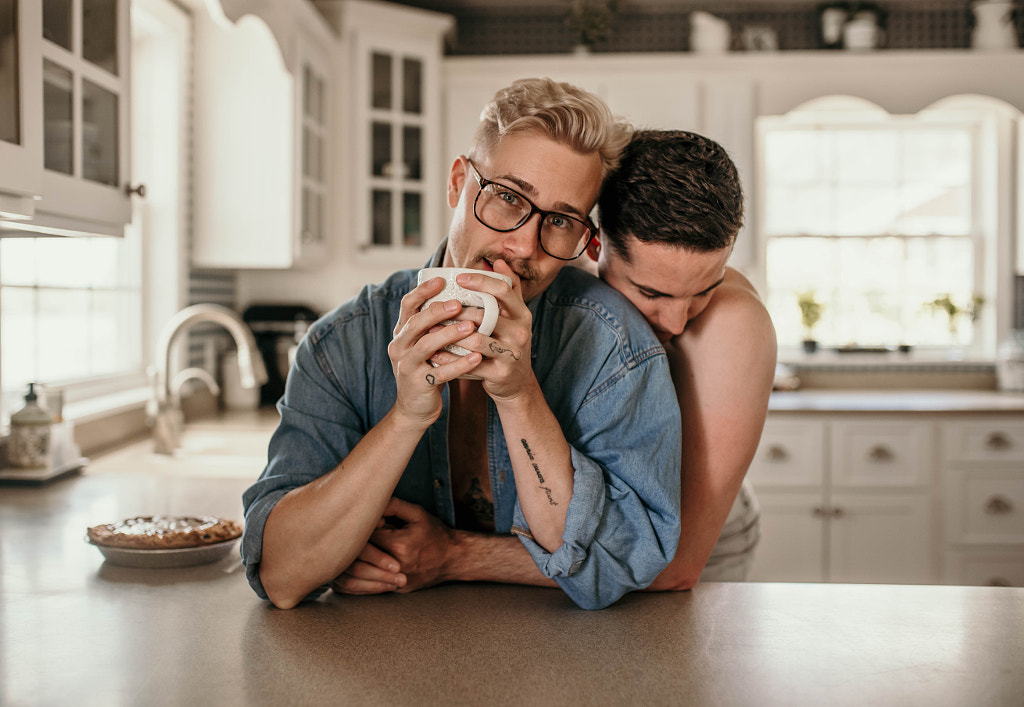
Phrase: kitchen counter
(77, 630)
(953, 401)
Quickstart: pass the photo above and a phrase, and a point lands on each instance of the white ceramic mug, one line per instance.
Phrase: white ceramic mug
(468, 298)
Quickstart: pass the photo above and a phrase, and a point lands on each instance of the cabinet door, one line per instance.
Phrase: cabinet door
(85, 79)
(792, 547)
(397, 147)
(21, 107)
(313, 182)
(880, 539)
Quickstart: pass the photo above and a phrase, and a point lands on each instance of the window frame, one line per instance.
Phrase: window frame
(993, 126)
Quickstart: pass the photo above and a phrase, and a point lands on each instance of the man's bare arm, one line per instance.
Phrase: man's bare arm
(722, 366)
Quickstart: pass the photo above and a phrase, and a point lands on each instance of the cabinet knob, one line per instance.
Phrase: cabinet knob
(777, 454)
(999, 582)
(998, 506)
(138, 190)
(997, 441)
(881, 453)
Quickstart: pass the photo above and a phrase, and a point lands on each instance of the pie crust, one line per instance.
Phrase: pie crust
(164, 532)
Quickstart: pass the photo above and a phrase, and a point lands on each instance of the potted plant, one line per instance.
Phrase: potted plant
(591, 20)
(954, 312)
(810, 315)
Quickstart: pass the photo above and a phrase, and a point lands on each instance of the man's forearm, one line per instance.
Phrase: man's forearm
(478, 557)
(542, 465)
(317, 530)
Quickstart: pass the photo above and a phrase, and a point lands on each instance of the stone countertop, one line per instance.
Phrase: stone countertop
(938, 401)
(78, 630)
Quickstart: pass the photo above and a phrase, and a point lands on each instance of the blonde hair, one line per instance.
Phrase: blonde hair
(567, 114)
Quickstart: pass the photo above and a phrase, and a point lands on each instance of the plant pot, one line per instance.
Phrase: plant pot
(810, 345)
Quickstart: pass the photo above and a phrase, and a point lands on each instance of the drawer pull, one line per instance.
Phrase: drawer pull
(827, 512)
(880, 453)
(998, 506)
(998, 441)
(777, 453)
(999, 582)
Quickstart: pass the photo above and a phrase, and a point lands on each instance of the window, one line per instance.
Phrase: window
(71, 310)
(82, 313)
(877, 217)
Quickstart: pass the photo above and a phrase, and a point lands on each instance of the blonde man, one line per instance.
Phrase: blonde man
(566, 444)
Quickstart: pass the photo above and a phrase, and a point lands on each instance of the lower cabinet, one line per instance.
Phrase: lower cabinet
(891, 498)
(845, 499)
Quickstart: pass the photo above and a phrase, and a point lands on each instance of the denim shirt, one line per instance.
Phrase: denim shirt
(606, 379)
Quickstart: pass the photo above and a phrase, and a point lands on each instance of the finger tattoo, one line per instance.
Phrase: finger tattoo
(497, 349)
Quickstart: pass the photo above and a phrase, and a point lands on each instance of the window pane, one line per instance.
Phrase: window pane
(381, 141)
(793, 156)
(18, 261)
(865, 210)
(412, 152)
(63, 331)
(412, 222)
(792, 210)
(866, 156)
(100, 126)
(412, 86)
(17, 325)
(99, 33)
(381, 209)
(57, 22)
(380, 86)
(66, 262)
(57, 129)
(10, 87)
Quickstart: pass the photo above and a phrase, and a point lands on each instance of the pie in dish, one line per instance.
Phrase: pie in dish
(164, 532)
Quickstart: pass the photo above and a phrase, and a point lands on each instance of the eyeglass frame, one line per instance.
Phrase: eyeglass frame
(534, 209)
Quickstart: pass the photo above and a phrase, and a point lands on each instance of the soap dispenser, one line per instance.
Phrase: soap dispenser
(29, 444)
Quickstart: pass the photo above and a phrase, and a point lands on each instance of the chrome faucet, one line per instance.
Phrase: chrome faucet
(164, 409)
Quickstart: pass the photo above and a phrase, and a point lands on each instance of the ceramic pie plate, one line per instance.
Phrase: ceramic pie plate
(164, 559)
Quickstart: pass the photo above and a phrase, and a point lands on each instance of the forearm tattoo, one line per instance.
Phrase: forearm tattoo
(536, 469)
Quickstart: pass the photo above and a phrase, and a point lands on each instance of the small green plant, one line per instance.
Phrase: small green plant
(810, 312)
(954, 312)
(590, 19)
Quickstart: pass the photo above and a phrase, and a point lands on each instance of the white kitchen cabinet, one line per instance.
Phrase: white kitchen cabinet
(655, 91)
(21, 108)
(263, 178)
(845, 499)
(65, 165)
(984, 511)
(392, 121)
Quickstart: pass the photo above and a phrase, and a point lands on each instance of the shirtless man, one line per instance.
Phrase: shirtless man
(670, 215)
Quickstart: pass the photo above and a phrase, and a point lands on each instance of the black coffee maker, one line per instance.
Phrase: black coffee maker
(278, 329)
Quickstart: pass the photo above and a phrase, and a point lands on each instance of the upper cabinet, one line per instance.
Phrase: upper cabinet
(64, 128)
(263, 135)
(392, 159)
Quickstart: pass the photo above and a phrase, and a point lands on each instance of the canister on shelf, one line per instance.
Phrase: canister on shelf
(29, 443)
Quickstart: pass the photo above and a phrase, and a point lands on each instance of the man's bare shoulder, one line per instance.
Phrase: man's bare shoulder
(736, 313)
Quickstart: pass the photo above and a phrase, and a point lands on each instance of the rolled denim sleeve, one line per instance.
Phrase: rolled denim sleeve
(622, 523)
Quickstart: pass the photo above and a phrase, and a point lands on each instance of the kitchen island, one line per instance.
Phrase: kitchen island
(77, 630)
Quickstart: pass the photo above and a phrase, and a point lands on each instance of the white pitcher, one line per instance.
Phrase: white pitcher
(994, 29)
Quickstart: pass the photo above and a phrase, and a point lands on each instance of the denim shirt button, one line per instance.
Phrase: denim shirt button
(437, 483)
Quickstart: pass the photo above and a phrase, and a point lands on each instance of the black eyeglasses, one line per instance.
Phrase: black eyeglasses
(504, 209)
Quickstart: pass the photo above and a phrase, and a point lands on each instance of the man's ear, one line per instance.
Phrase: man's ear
(594, 247)
(456, 180)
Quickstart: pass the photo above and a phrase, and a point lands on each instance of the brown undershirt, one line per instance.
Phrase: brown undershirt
(467, 455)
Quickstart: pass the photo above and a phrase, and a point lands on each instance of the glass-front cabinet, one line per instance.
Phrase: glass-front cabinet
(64, 79)
(396, 145)
(21, 128)
(393, 124)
